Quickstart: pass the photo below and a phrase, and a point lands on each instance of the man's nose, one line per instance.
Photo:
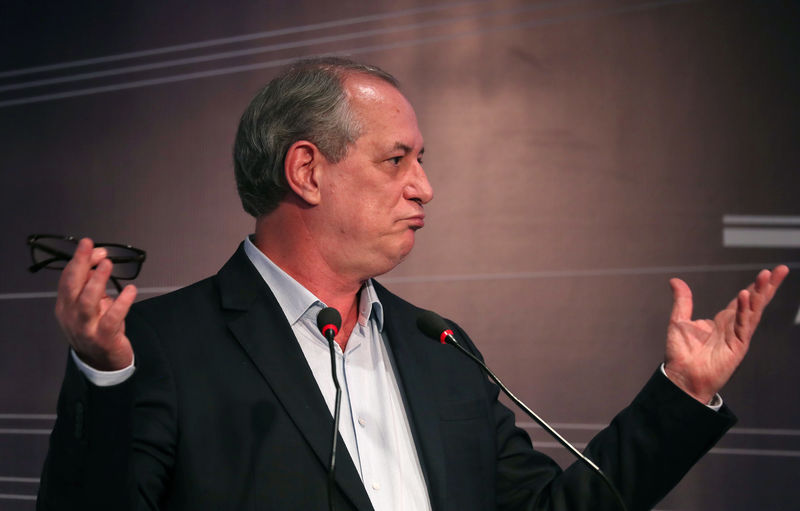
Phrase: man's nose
(419, 188)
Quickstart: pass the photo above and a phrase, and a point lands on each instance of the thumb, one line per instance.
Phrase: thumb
(681, 301)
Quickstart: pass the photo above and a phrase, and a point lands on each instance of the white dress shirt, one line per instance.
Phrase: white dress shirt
(373, 422)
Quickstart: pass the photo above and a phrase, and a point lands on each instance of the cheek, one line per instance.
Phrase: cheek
(365, 211)
(372, 210)
(358, 221)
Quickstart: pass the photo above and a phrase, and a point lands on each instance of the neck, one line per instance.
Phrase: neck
(284, 238)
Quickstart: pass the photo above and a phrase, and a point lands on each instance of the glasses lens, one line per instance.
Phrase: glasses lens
(127, 262)
(56, 252)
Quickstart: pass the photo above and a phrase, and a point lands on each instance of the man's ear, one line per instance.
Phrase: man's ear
(301, 166)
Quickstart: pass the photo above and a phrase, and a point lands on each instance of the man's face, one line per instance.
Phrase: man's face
(372, 199)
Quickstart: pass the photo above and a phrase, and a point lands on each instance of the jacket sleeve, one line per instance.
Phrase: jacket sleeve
(113, 447)
(645, 451)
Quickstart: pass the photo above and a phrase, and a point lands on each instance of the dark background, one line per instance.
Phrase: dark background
(582, 152)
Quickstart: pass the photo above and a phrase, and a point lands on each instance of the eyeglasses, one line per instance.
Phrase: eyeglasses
(53, 252)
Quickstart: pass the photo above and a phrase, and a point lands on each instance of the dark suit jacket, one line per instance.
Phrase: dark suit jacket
(224, 413)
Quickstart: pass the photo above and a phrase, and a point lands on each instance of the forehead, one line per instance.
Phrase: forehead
(381, 109)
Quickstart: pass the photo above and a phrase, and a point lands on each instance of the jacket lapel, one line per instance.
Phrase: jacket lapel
(260, 326)
(412, 350)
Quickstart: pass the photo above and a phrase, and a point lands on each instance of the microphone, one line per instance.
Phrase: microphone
(432, 325)
(329, 321)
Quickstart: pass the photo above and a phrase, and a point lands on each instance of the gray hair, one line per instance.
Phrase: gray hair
(305, 102)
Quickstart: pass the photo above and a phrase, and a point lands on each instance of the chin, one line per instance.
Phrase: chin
(386, 258)
(403, 251)
(386, 267)
(389, 262)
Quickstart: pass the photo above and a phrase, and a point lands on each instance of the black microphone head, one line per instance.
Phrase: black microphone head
(432, 324)
(329, 319)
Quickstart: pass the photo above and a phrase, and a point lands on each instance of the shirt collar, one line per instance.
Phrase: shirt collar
(294, 299)
(369, 306)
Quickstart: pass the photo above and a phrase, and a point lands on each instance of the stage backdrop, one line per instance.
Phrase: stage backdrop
(581, 152)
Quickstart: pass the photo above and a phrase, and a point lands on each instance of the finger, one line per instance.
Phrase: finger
(98, 254)
(741, 326)
(760, 287)
(94, 291)
(681, 301)
(113, 320)
(778, 274)
(73, 277)
(766, 285)
(105, 304)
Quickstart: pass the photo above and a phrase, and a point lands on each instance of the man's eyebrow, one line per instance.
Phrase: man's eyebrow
(405, 148)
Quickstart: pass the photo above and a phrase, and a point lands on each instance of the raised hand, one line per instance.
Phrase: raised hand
(702, 354)
(93, 322)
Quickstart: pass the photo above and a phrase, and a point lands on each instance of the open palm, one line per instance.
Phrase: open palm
(702, 354)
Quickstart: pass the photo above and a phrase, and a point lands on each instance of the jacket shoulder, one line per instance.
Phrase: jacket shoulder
(193, 297)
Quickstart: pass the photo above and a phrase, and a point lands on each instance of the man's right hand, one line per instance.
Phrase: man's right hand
(93, 322)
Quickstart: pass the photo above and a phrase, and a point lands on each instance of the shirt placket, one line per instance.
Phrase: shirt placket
(361, 402)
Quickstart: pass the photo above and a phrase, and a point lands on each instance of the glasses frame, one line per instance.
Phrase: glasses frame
(57, 255)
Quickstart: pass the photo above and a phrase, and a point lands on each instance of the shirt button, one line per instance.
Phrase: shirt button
(363, 422)
(376, 486)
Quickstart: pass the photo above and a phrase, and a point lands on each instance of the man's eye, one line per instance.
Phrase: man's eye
(396, 160)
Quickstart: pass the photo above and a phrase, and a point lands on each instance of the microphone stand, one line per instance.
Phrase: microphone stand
(337, 408)
(447, 336)
(329, 321)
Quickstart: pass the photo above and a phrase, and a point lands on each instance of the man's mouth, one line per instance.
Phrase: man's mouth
(416, 222)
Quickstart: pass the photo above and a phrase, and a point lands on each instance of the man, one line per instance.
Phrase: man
(218, 396)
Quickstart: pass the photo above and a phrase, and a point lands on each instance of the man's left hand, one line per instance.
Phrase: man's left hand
(703, 354)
